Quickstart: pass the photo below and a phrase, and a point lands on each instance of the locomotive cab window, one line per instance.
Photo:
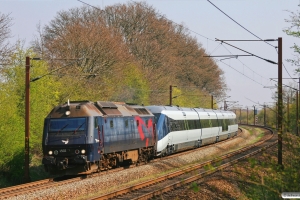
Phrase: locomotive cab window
(67, 126)
(95, 122)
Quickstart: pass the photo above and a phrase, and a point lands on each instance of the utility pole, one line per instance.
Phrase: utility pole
(254, 115)
(276, 116)
(247, 116)
(280, 101)
(27, 178)
(288, 113)
(27, 113)
(240, 115)
(297, 113)
(265, 124)
(171, 86)
(212, 102)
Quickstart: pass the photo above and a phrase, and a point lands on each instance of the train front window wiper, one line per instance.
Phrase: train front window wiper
(62, 128)
(78, 128)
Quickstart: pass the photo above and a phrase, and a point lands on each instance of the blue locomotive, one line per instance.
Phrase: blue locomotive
(84, 137)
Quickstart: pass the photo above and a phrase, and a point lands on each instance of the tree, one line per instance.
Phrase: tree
(166, 51)
(121, 38)
(5, 47)
(44, 95)
(293, 30)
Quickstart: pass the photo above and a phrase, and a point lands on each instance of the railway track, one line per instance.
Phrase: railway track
(48, 183)
(35, 186)
(171, 181)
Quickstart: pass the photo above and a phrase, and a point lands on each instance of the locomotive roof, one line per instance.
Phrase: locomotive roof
(99, 108)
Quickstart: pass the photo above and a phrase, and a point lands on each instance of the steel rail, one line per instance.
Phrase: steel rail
(160, 179)
(47, 183)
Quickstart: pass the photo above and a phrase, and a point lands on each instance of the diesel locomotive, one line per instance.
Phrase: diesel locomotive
(81, 137)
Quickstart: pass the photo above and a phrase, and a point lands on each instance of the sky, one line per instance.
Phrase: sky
(246, 76)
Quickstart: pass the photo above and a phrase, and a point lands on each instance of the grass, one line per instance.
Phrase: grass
(261, 177)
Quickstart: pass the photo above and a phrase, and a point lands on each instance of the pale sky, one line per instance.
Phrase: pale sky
(245, 76)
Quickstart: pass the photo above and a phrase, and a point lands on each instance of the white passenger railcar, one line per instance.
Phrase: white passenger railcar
(181, 128)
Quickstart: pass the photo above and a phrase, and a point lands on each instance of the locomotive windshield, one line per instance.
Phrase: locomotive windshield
(156, 117)
(67, 125)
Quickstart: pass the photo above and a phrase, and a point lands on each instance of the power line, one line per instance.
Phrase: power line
(245, 65)
(240, 24)
(270, 61)
(218, 45)
(205, 38)
(39, 77)
(241, 73)
(248, 31)
(89, 5)
(286, 70)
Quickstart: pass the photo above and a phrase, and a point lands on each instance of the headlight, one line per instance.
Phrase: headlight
(68, 112)
(82, 151)
(50, 152)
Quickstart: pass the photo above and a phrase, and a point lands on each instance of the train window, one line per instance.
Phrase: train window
(182, 125)
(225, 125)
(210, 124)
(174, 125)
(197, 123)
(202, 123)
(191, 124)
(126, 123)
(111, 123)
(137, 122)
(214, 122)
(95, 122)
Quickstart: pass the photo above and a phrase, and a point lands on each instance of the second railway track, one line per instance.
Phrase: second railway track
(165, 183)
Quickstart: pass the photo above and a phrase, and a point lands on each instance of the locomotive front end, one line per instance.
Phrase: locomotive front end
(66, 145)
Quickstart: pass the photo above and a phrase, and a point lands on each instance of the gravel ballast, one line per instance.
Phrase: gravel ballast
(108, 182)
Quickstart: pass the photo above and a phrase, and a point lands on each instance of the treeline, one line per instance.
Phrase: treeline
(126, 52)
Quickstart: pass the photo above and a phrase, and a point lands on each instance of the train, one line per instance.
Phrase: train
(82, 137)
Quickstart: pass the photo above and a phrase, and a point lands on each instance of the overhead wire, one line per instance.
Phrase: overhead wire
(249, 32)
(213, 41)
(207, 38)
(239, 23)
(286, 69)
(240, 72)
(245, 64)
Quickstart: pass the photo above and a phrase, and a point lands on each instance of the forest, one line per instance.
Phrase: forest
(125, 52)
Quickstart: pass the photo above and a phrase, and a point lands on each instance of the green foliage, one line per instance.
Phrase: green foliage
(133, 88)
(252, 162)
(194, 186)
(265, 179)
(189, 97)
(43, 96)
(293, 30)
